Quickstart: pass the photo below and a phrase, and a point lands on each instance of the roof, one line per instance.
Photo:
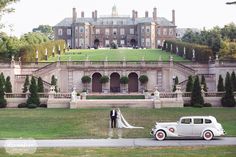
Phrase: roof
(67, 22)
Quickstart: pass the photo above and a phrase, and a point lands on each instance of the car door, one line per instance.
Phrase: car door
(185, 127)
(198, 126)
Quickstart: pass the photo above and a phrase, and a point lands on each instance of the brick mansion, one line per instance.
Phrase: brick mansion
(125, 31)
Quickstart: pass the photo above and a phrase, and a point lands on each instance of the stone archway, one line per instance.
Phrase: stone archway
(133, 82)
(133, 42)
(96, 43)
(115, 82)
(96, 85)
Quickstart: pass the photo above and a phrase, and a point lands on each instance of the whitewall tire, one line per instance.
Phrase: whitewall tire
(160, 135)
(208, 135)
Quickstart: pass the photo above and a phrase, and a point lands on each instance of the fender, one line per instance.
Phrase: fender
(213, 130)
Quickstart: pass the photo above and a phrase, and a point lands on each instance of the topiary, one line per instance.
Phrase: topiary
(32, 106)
(43, 105)
(104, 79)
(124, 80)
(3, 103)
(22, 105)
(196, 97)
(207, 105)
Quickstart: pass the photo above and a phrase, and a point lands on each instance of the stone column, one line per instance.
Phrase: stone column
(124, 62)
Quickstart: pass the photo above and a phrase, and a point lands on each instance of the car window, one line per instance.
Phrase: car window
(186, 121)
(198, 121)
(207, 121)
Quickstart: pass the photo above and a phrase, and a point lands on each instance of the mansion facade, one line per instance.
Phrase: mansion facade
(125, 31)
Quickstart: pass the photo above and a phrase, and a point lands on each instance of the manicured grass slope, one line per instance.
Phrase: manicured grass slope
(219, 151)
(117, 55)
(93, 123)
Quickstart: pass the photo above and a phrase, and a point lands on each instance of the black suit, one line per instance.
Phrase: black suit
(113, 118)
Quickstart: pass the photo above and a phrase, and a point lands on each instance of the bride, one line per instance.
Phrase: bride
(122, 123)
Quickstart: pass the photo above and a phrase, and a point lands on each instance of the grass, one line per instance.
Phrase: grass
(116, 55)
(219, 151)
(93, 123)
(117, 97)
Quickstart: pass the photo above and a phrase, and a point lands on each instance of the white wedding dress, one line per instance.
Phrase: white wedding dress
(122, 123)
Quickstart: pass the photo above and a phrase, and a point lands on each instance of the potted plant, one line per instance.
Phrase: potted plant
(143, 80)
(124, 81)
(86, 80)
(103, 80)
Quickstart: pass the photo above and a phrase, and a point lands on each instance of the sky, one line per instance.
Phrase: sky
(189, 13)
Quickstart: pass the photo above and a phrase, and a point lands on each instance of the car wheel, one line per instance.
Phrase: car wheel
(160, 135)
(208, 135)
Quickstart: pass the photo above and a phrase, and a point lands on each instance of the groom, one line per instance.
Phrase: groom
(113, 116)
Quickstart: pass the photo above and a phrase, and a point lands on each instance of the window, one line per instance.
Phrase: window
(170, 31)
(186, 121)
(122, 42)
(97, 31)
(198, 121)
(115, 41)
(81, 42)
(60, 32)
(107, 31)
(69, 43)
(68, 31)
(148, 42)
(81, 29)
(107, 42)
(114, 31)
(158, 31)
(76, 43)
(76, 29)
(164, 31)
(208, 121)
(142, 29)
(147, 29)
(131, 31)
(122, 31)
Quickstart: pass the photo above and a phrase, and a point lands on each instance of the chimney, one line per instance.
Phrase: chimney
(133, 14)
(82, 14)
(155, 13)
(146, 14)
(136, 14)
(74, 15)
(173, 17)
(95, 15)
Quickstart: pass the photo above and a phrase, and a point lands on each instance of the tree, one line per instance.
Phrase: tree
(233, 80)
(203, 82)
(2, 78)
(4, 9)
(176, 82)
(46, 30)
(54, 82)
(189, 86)
(220, 86)
(196, 98)
(26, 84)
(3, 101)
(33, 97)
(86, 80)
(228, 99)
(40, 85)
(8, 86)
(34, 38)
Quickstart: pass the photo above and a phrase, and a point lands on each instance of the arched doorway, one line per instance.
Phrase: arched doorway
(96, 85)
(133, 82)
(133, 42)
(96, 43)
(115, 83)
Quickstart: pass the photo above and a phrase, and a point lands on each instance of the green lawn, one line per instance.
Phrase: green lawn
(219, 151)
(116, 55)
(93, 123)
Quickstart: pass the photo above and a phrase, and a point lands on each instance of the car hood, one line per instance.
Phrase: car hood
(165, 124)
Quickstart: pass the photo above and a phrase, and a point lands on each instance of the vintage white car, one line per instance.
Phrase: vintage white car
(206, 127)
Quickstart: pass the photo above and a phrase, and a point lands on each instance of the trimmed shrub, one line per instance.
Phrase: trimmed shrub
(26, 84)
(8, 86)
(198, 105)
(32, 106)
(3, 102)
(22, 105)
(176, 82)
(113, 45)
(189, 86)
(104, 79)
(143, 79)
(233, 81)
(203, 82)
(187, 105)
(40, 85)
(33, 98)
(228, 99)
(207, 105)
(196, 98)
(54, 82)
(43, 105)
(124, 80)
(86, 79)
(220, 86)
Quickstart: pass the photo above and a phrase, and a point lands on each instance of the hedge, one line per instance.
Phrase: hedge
(28, 53)
(202, 52)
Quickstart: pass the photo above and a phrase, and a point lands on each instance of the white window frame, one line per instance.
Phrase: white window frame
(122, 31)
(131, 31)
(68, 31)
(107, 31)
(97, 31)
(60, 32)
